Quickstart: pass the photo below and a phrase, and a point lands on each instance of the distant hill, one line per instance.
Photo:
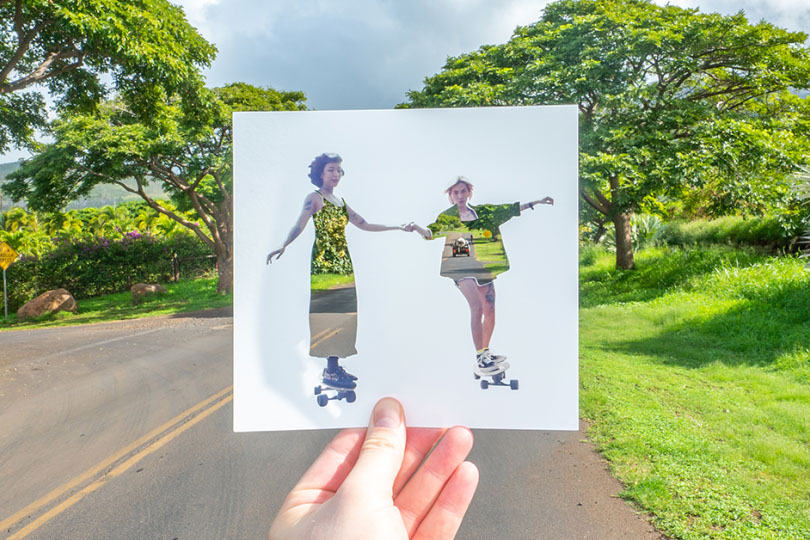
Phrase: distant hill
(103, 195)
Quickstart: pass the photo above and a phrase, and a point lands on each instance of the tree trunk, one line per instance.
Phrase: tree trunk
(624, 241)
(224, 274)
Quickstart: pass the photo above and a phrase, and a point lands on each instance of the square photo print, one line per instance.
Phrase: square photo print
(429, 255)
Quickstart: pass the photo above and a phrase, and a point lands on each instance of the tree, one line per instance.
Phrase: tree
(670, 99)
(190, 153)
(146, 47)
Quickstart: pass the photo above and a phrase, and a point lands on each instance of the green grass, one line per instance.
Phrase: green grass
(491, 255)
(320, 282)
(187, 295)
(694, 375)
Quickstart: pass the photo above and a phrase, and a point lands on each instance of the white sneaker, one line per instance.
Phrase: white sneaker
(497, 358)
(487, 365)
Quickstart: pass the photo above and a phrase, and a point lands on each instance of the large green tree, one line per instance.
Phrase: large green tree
(189, 153)
(670, 99)
(145, 47)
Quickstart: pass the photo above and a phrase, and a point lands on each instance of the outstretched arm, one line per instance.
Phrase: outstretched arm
(424, 232)
(306, 213)
(357, 220)
(545, 200)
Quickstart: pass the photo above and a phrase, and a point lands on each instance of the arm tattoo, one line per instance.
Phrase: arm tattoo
(308, 205)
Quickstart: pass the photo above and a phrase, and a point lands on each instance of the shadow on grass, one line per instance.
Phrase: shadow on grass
(658, 272)
(756, 332)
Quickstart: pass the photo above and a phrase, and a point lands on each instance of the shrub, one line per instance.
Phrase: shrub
(102, 266)
(767, 232)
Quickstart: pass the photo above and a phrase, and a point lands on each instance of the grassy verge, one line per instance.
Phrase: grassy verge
(320, 282)
(694, 373)
(187, 295)
(491, 255)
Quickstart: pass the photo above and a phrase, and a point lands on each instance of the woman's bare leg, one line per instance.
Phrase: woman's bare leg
(487, 295)
(469, 288)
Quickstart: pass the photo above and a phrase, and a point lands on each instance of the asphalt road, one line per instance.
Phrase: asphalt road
(124, 430)
(461, 266)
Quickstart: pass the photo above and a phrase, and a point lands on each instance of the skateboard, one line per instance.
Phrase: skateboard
(495, 379)
(341, 393)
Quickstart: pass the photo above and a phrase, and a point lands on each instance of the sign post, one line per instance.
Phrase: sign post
(7, 256)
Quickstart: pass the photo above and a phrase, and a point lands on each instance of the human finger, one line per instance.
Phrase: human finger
(446, 514)
(381, 452)
(421, 493)
(419, 442)
(327, 473)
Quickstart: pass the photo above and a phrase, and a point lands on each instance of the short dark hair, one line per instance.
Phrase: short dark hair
(317, 165)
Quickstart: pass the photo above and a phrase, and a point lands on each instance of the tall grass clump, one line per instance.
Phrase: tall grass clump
(767, 232)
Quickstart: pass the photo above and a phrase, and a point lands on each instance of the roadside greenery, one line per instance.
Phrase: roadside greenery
(694, 376)
(188, 295)
(321, 282)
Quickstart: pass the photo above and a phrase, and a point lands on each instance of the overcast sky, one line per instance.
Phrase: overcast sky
(367, 54)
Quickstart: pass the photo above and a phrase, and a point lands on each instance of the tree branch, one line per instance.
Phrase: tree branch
(39, 74)
(595, 205)
(24, 44)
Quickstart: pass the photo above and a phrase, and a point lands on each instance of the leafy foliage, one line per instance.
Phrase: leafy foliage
(146, 47)
(189, 152)
(670, 99)
(330, 254)
(102, 266)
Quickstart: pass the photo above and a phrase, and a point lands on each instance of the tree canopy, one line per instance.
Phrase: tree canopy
(190, 153)
(670, 99)
(146, 47)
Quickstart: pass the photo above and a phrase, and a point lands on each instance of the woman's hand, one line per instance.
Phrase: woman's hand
(547, 200)
(277, 253)
(369, 483)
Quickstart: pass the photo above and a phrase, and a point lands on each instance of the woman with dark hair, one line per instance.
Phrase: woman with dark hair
(331, 214)
(477, 231)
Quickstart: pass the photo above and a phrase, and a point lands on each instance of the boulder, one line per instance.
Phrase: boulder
(49, 302)
(142, 290)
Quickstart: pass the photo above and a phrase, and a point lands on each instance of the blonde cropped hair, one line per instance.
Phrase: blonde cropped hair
(459, 180)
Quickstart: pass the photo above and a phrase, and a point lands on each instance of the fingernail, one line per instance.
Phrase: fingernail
(388, 414)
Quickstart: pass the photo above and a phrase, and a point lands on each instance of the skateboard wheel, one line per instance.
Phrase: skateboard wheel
(322, 399)
(484, 384)
(317, 390)
(513, 384)
(350, 396)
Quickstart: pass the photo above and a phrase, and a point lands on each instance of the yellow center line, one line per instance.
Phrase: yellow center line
(319, 334)
(93, 471)
(31, 527)
(325, 337)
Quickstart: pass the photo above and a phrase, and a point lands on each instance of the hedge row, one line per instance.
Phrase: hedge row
(768, 232)
(103, 266)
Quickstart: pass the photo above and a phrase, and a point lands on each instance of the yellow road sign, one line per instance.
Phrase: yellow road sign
(7, 255)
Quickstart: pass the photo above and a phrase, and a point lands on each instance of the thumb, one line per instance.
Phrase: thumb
(382, 452)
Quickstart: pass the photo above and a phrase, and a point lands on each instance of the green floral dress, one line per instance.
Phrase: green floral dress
(331, 251)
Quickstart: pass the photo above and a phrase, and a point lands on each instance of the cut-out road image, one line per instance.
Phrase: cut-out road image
(125, 430)
(462, 266)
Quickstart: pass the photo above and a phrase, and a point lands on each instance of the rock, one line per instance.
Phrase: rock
(142, 290)
(49, 302)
